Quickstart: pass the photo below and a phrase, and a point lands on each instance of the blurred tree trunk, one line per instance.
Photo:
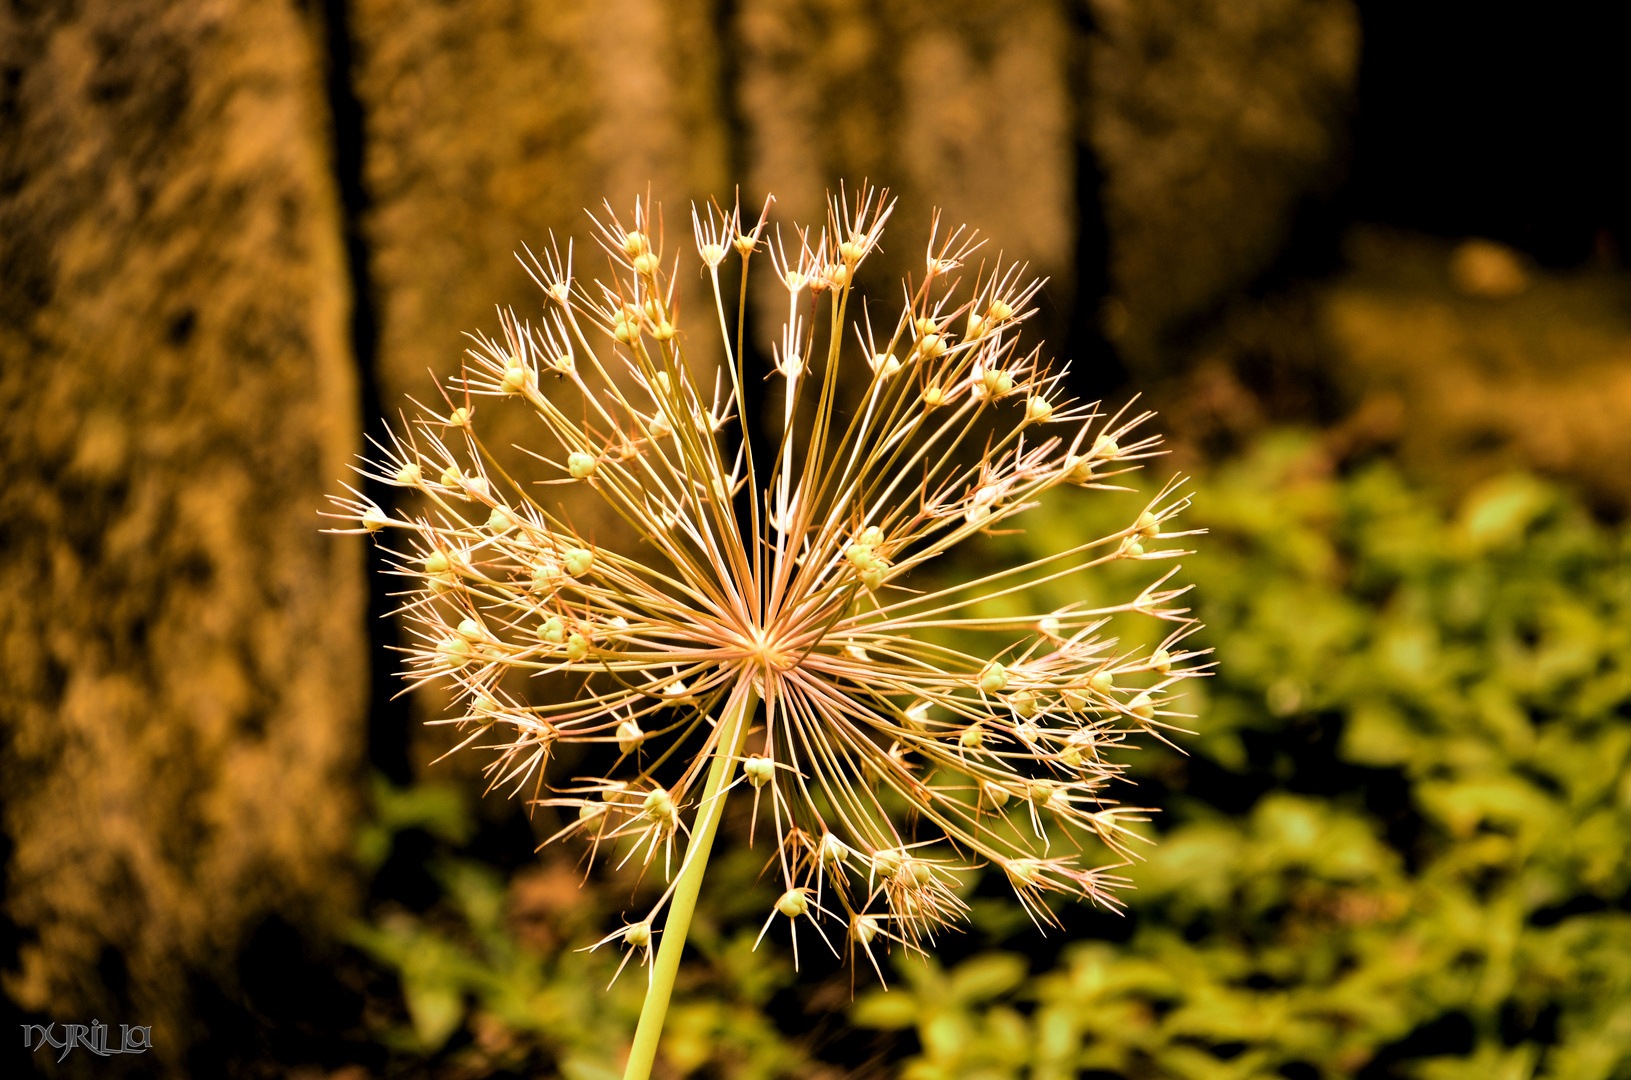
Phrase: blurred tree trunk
(491, 125)
(963, 105)
(181, 649)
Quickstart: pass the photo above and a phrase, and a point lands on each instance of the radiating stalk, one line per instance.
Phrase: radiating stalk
(733, 729)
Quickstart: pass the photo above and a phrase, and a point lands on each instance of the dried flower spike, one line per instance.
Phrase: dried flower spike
(903, 738)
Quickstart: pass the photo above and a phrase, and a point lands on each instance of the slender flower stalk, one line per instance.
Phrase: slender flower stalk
(901, 734)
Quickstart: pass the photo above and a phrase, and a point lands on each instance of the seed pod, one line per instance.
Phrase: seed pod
(1142, 707)
(1102, 681)
(580, 465)
(993, 678)
(374, 519)
(886, 863)
(578, 561)
(471, 631)
(1147, 525)
(552, 631)
(758, 770)
(831, 850)
(639, 934)
(410, 475)
(500, 520)
(659, 805)
(454, 651)
(793, 903)
(872, 536)
(436, 563)
(1038, 410)
(916, 715)
(1023, 703)
(972, 738)
(545, 576)
(866, 927)
(577, 647)
(629, 737)
(995, 794)
(1161, 661)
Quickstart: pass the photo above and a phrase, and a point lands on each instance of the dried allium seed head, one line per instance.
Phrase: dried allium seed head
(814, 596)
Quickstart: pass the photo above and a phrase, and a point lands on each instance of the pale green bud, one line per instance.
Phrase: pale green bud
(577, 647)
(578, 561)
(454, 651)
(629, 737)
(580, 465)
(758, 770)
(993, 678)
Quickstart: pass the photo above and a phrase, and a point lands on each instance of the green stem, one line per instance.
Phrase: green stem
(733, 729)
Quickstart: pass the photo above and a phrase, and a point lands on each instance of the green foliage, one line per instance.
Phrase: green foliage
(463, 965)
(1408, 808)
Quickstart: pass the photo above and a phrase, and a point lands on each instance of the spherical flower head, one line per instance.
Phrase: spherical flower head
(903, 731)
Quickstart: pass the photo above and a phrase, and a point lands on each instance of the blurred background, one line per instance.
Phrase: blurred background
(1365, 258)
